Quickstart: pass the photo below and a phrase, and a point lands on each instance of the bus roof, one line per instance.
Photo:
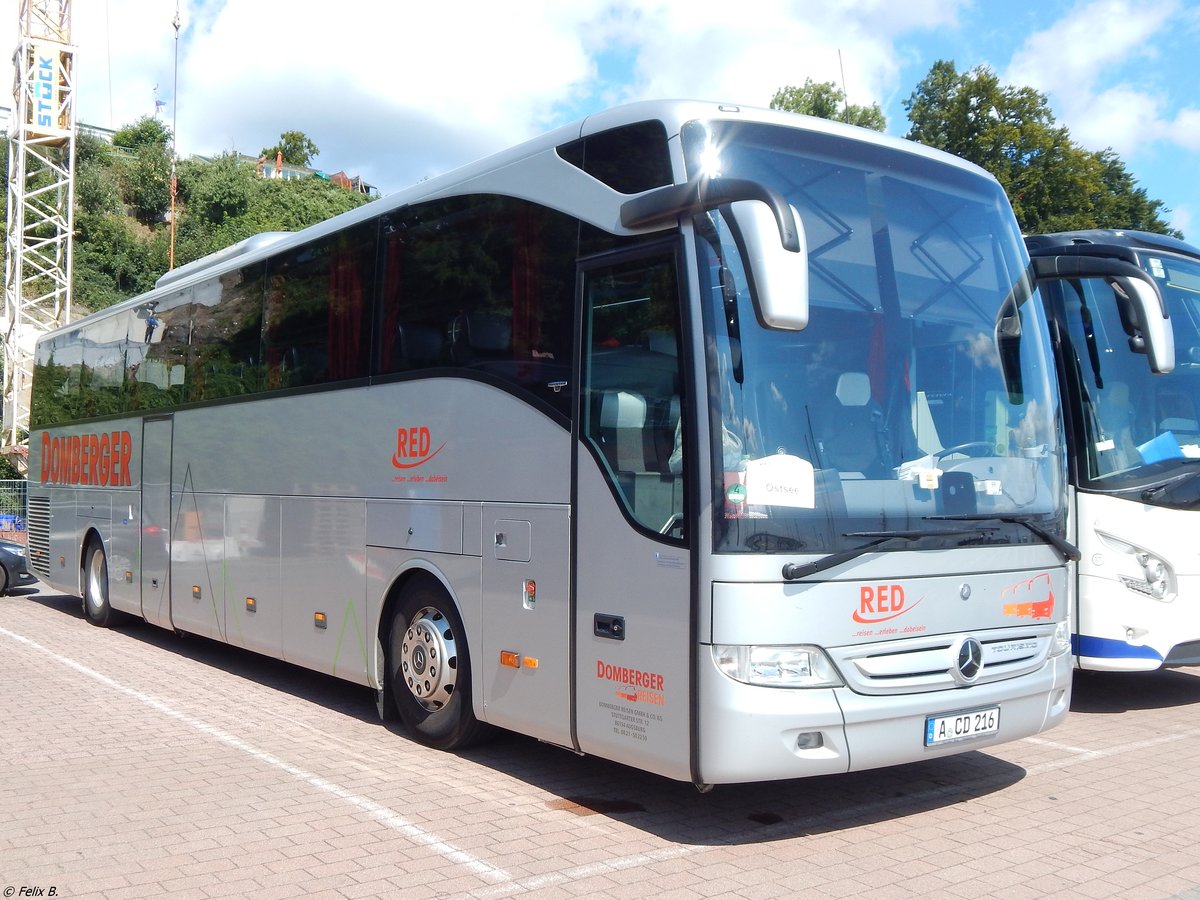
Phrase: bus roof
(1044, 244)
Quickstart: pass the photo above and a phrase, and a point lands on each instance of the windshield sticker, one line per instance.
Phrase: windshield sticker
(923, 471)
(781, 480)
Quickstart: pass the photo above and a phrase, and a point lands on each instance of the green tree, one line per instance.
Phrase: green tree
(217, 190)
(827, 101)
(145, 181)
(296, 147)
(1052, 182)
(145, 131)
(122, 193)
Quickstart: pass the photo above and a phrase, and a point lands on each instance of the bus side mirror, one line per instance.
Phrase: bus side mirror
(778, 274)
(1152, 333)
(1143, 312)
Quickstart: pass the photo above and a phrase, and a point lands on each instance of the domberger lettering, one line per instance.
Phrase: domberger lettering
(632, 677)
(94, 459)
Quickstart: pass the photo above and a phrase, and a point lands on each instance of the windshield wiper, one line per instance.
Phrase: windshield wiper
(1066, 548)
(794, 571)
(1155, 492)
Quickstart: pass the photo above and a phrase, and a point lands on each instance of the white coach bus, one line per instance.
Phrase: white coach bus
(1135, 453)
(719, 442)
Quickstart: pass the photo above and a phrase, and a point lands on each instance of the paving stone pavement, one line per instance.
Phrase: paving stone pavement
(136, 763)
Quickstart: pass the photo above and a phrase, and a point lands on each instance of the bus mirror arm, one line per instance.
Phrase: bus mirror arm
(768, 231)
(1151, 332)
(664, 204)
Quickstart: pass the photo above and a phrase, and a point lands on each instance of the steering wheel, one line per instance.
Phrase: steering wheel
(971, 448)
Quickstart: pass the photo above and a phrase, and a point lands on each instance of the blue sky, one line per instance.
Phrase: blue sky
(397, 91)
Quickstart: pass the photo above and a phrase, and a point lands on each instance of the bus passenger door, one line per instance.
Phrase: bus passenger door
(633, 621)
(157, 436)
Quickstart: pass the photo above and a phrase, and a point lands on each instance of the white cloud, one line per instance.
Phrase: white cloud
(1078, 60)
(1185, 130)
(397, 91)
(1075, 53)
(700, 50)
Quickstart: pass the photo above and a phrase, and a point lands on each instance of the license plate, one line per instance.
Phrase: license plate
(961, 726)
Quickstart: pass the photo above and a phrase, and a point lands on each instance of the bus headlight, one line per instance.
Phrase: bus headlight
(1156, 580)
(786, 667)
(1061, 642)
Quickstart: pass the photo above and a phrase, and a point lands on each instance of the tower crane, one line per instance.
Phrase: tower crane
(41, 193)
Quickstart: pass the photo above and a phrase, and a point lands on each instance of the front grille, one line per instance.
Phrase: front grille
(39, 535)
(918, 665)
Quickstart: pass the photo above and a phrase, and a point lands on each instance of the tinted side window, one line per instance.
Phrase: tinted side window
(226, 353)
(158, 339)
(103, 372)
(484, 284)
(318, 310)
(56, 371)
(629, 159)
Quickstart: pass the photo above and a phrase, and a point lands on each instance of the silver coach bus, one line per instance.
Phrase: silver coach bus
(720, 442)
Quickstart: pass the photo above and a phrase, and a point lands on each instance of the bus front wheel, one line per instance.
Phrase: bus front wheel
(95, 587)
(429, 669)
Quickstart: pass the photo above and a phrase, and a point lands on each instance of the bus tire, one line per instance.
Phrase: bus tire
(96, 607)
(429, 670)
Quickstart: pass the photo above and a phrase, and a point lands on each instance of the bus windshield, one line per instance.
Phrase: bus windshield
(921, 389)
(1140, 431)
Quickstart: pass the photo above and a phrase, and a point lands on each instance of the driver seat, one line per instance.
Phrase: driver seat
(851, 440)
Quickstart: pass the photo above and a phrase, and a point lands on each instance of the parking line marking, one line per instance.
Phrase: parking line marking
(380, 813)
(1127, 747)
(617, 864)
(1055, 745)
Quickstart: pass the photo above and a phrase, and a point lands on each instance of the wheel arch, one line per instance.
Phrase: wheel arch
(412, 571)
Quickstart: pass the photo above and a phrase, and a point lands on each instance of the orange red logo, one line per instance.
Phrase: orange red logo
(1040, 602)
(413, 447)
(881, 602)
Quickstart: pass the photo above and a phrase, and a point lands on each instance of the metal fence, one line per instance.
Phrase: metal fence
(14, 509)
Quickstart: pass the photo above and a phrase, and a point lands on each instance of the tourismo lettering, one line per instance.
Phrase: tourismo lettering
(632, 677)
(99, 459)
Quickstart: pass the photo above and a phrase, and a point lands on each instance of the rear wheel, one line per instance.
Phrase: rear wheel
(429, 670)
(95, 587)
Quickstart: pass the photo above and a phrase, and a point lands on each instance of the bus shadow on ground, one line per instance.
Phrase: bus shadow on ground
(587, 786)
(750, 813)
(1118, 692)
(287, 678)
